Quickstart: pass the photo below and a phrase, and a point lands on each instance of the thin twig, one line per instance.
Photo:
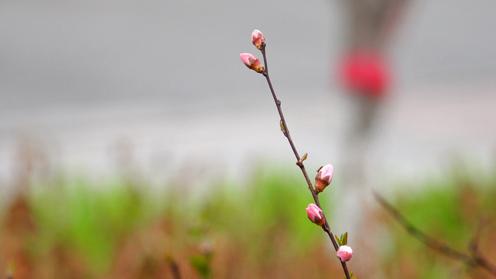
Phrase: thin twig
(299, 161)
(174, 268)
(473, 245)
(471, 259)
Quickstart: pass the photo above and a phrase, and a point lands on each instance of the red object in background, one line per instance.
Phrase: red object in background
(365, 73)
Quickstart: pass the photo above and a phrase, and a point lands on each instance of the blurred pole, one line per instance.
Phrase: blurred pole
(365, 77)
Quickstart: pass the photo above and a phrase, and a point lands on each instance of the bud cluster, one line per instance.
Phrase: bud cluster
(250, 60)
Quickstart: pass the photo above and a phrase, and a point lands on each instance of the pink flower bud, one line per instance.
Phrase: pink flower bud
(344, 253)
(315, 214)
(323, 177)
(258, 39)
(252, 62)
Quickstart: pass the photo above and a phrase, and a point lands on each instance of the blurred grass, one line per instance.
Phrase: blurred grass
(87, 221)
(260, 229)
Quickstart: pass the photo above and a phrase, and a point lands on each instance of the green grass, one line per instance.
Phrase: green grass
(92, 220)
(88, 221)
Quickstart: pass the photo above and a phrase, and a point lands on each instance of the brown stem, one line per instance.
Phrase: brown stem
(299, 162)
(471, 259)
(174, 268)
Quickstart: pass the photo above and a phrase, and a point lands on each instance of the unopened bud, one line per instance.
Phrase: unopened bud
(252, 62)
(315, 214)
(344, 253)
(323, 177)
(258, 39)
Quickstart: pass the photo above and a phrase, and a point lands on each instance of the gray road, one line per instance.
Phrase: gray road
(165, 77)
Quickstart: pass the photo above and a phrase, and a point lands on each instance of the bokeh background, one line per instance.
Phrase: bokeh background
(134, 143)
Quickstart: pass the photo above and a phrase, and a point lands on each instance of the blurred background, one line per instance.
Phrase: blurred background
(133, 142)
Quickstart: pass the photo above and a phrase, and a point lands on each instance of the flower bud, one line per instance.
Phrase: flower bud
(252, 62)
(323, 177)
(258, 39)
(315, 214)
(344, 253)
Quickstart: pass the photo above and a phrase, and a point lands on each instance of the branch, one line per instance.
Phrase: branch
(471, 259)
(299, 160)
(174, 268)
